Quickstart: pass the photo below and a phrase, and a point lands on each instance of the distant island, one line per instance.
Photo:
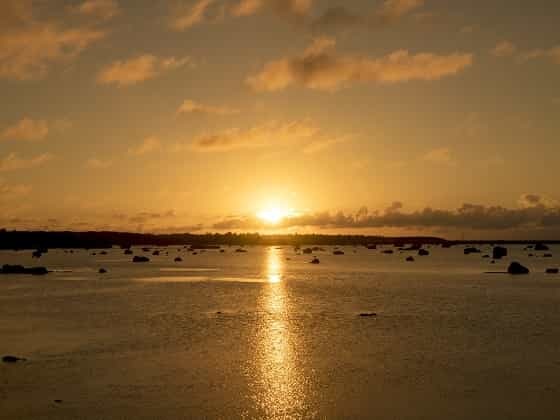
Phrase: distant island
(13, 239)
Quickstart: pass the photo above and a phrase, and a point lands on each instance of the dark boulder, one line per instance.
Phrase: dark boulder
(552, 271)
(315, 261)
(128, 252)
(499, 252)
(541, 247)
(338, 252)
(36, 254)
(140, 259)
(547, 256)
(20, 269)
(515, 268)
(12, 359)
(368, 314)
(178, 259)
(410, 259)
(102, 271)
(388, 251)
(155, 253)
(423, 252)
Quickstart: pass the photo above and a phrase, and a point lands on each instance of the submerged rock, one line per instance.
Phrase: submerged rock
(547, 256)
(36, 254)
(367, 314)
(12, 359)
(498, 252)
(240, 250)
(410, 259)
(178, 259)
(541, 247)
(102, 271)
(155, 253)
(20, 269)
(423, 252)
(552, 271)
(516, 268)
(388, 251)
(315, 261)
(338, 252)
(140, 259)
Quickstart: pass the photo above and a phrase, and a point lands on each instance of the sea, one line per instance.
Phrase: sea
(264, 334)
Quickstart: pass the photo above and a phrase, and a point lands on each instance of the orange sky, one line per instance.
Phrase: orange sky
(389, 116)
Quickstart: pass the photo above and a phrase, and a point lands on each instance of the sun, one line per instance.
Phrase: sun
(273, 215)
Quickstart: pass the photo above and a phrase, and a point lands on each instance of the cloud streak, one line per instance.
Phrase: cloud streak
(193, 107)
(12, 162)
(468, 216)
(139, 69)
(320, 68)
(26, 129)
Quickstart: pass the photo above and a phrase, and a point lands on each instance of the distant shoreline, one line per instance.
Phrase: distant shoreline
(107, 239)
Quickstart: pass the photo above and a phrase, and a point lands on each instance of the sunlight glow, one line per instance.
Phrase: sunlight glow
(274, 215)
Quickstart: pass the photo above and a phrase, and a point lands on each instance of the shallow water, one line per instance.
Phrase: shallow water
(255, 335)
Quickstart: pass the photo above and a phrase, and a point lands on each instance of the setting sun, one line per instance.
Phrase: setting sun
(273, 215)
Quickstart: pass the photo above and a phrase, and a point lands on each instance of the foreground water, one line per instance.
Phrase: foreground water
(265, 334)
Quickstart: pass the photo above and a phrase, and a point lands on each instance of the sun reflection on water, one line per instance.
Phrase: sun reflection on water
(279, 389)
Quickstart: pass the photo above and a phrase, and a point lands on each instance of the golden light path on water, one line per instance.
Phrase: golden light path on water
(280, 389)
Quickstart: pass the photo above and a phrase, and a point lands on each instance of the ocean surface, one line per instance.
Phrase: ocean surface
(265, 334)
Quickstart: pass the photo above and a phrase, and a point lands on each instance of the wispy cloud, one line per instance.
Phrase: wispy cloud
(26, 129)
(319, 68)
(193, 107)
(102, 9)
(139, 69)
(148, 145)
(28, 47)
(504, 49)
(96, 163)
(270, 133)
(12, 162)
(440, 156)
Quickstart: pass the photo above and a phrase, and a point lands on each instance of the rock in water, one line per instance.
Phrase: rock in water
(516, 268)
(498, 252)
(410, 259)
(423, 252)
(541, 247)
(338, 252)
(552, 271)
(102, 271)
(315, 261)
(178, 259)
(140, 259)
(12, 359)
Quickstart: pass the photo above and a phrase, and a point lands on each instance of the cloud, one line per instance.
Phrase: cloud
(551, 53)
(246, 7)
(504, 49)
(201, 11)
(319, 145)
(26, 129)
(149, 145)
(468, 216)
(440, 156)
(102, 9)
(270, 133)
(28, 47)
(95, 163)
(319, 68)
(184, 17)
(12, 162)
(139, 69)
(390, 11)
(9, 192)
(192, 107)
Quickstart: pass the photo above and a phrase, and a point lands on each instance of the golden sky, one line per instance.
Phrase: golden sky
(379, 116)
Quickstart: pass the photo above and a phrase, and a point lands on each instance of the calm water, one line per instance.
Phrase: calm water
(267, 335)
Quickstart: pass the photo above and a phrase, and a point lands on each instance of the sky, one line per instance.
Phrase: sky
(392, 117)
